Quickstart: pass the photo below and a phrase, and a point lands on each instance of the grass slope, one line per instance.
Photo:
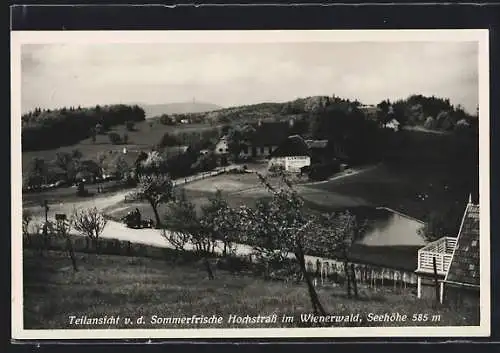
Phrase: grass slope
(145, 135)
(132, 286)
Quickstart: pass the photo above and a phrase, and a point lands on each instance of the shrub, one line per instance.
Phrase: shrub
(114, 138)
(130, 125)
(169, 140)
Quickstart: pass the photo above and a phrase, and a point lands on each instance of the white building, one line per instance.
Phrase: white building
(292, 154)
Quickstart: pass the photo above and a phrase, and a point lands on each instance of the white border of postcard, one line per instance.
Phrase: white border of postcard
(90, 37)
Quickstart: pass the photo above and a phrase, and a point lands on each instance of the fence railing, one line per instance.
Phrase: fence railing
(441, 250)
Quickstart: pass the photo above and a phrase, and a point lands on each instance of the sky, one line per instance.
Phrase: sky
(227, 74)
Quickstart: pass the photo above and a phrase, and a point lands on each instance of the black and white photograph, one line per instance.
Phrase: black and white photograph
(213, 184)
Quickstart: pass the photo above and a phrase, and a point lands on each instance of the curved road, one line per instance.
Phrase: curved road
(153, 237)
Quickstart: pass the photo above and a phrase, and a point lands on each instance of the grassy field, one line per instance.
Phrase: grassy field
(131, 286)
(425, 172)
(145, 135)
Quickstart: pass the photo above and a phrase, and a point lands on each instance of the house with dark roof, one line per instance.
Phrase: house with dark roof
(266, 139)
(452, 262)
(293, 154)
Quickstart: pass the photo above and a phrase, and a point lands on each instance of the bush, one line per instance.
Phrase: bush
(114, 138)
(321, 171)
(81, 191)
(169, 140)
(130, 125)
(276, 169)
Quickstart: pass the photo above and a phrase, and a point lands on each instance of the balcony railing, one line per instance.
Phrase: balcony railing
(442, 250)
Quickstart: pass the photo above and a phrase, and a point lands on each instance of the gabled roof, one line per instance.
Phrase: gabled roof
(464, 267)
(270, 133)
(293, 146)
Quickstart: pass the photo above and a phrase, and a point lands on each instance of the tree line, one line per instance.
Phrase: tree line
(433, 113)
(46, 129)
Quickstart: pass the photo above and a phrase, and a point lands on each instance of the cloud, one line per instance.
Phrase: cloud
(233, 74)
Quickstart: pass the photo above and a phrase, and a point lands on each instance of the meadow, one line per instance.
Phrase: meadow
(144, 135)
(136, 286)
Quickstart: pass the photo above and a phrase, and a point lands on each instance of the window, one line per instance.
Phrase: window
(474, 243)
(262, 150)
(471, 267)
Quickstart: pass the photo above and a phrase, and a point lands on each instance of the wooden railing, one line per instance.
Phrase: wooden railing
(442, 250)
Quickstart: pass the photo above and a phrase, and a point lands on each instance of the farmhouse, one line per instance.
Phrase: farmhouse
(454, 262)
(266, 139)
(292, 154)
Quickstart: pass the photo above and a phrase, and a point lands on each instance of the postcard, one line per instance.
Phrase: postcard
(250, 184)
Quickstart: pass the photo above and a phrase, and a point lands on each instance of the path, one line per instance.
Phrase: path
(102, 202)
(341, 175)
(116, 230)
(153, 237)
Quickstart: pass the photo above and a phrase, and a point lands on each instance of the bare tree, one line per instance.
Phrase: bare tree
(89, 222)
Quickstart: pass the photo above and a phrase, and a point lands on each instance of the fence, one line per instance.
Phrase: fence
(189, 179)
(333, 271)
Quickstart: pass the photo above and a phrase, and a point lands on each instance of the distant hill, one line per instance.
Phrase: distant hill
(153, 110)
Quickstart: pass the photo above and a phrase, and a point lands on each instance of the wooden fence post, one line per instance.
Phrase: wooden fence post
(436, 281)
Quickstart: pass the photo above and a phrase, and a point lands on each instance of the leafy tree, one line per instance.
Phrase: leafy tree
(152, 163)
(430, 123)
(67, 163)
(237, 138)
(168, 140)
(220, 221)
(37, 172)
(119, 166)
(156, 189)
(64, 127)
(186, 228)
(138, 162)
(89, 222)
